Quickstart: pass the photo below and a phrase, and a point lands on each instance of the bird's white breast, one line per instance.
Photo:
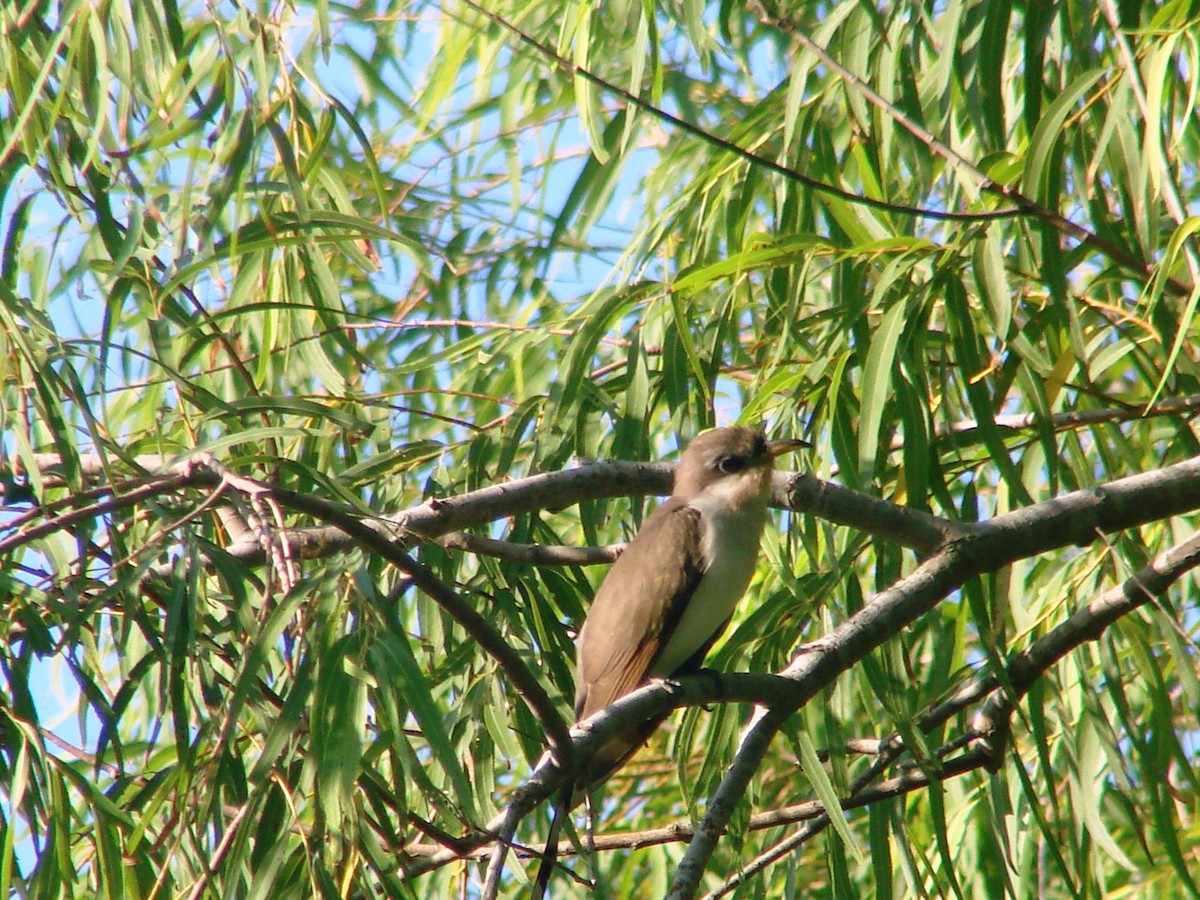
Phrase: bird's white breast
(730, 548)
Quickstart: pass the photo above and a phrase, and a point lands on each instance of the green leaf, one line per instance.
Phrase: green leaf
(807, 751)
(397, 670)
(1047, 134)
(877, 389)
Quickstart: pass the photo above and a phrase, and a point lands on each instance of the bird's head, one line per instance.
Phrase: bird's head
(734, 463)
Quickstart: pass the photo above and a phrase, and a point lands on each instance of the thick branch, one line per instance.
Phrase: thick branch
(1072, 519)
(437, 518)
(711, 687)
(781, 695)
(1075, 518)
(1021, 672)
(648, 701)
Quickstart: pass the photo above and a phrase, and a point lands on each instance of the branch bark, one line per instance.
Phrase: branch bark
(961, 552)
(1075, 518)
(440, 518)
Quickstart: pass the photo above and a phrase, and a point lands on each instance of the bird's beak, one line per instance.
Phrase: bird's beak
(778, 448)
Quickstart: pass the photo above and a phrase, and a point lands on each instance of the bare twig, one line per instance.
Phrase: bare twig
(764, 162)
(532, 554)
(1172, 406)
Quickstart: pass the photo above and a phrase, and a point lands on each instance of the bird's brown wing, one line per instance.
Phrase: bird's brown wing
(633, 615)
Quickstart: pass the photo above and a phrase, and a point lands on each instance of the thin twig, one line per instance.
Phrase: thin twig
(728, 146)
(1026, 205)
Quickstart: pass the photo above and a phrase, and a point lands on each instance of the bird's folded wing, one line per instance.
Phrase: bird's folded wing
(638, 606)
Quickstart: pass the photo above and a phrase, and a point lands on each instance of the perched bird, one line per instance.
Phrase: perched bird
(670, 594)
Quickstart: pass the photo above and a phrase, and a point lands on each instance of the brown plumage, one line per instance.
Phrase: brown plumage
(668, 597)
(671, 593)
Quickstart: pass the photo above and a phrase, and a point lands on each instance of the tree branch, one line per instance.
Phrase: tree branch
(993, 545)
(203, 470)
(1172, 406)
(1072, 519)
(728, 146)
(966, 552)
(991, 723)
(438, 517)
(532, 554)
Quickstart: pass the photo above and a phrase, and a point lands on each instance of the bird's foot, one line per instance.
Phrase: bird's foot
(669, 682)
(713, 676)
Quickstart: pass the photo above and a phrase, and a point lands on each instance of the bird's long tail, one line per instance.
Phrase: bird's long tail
(562, 808)
(607, 760)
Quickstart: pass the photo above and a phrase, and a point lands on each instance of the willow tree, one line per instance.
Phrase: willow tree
(343, 345)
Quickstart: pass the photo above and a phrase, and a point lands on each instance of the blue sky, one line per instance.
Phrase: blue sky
(77, 313)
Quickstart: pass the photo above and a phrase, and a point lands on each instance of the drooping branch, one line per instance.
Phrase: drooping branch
(760, 160)
(478, 627)
(202, 470)
(1046, 526)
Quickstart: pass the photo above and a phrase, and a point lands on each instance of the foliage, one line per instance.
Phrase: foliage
(366, 256)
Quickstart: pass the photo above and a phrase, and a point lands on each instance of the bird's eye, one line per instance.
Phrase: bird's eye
(731, 464)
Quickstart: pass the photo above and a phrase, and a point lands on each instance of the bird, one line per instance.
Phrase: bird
(670, 594)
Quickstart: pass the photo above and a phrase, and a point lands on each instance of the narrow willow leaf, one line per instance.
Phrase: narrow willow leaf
(993, 282)
(811, 762)
(877, 389)
(1087, 798)
(1155, 68)
(587, 95)
(597, 316)
(398, 670)
(1049, 130)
